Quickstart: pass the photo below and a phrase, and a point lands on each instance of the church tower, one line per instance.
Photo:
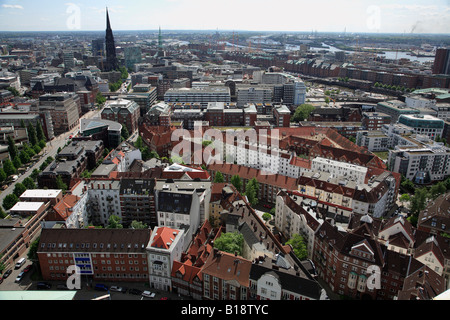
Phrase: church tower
(111, 59)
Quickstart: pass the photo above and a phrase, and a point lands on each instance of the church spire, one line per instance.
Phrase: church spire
(111, 59)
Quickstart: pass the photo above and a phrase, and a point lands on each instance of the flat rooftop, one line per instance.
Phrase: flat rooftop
(27, 206)
(41, 193)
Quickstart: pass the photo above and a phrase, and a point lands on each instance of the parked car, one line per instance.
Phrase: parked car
(135, 291)
(1, 279)
(115, 288)
(43, 285)
(27, 268)
(101, 287)
(19, 277)
(62, 287)
(7, 273)
(148, 294)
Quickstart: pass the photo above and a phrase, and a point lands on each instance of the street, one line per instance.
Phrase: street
(50, 150)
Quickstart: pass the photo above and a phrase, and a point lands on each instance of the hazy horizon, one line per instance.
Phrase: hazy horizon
(324, 16)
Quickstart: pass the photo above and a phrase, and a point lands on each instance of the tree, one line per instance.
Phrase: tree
(60, 183)
(32, 253)
(252, 191)
(16, 162)
(266, 216)
(218, 178)
(32, 137)
(24, 157)
(9, 201)
(125, 134)
(34, 174)
(138, 225)
(236, 181)
(100, 99)
(302, 112)
(19, 188)
(9, 167)
(12, 148)
(29, 183)
(139, 143)
(408, 185)
(438, 189)
(14, 91)
(298, 244)
(146, 153)
(113, 223)
(3, 175)
(418, 203)
(40, 132)
(231, 242)
(405, 198)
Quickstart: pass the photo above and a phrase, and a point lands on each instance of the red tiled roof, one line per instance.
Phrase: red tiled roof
(163, 236)
(61, 210)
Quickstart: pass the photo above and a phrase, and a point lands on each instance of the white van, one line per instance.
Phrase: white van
(20, 263)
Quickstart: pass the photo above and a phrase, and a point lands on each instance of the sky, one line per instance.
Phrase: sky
(381, 16)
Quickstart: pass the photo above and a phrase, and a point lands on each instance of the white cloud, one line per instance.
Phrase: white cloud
(12, 6)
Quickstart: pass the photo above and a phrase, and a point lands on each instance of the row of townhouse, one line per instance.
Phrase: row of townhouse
(285, 155)
(171, 260)
(408, 261)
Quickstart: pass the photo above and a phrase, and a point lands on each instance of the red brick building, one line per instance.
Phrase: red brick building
(123, 111)
(101, 254)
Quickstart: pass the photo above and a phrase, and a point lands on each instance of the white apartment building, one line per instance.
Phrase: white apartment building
(182, 204)
(165, 245)
(339, 169)
(374, 141)
(292, 217)
(419, 102)
(104, 200)
(421, 163)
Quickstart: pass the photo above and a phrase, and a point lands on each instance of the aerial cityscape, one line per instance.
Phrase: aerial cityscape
(206, 153)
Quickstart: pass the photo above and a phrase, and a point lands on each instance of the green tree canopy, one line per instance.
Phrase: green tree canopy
(16, 162)
(32, 137)
(230, 242)
(3, 175)
(9, 167)
(100, 99)
(9, 201)
(113, 223)
(19, 188)
(60, 183)
(218, 177)
(236, 181)
(29, 183)
(298, 244)
(40, 132)
(252, 191)
(12, 148)
(138, 225)
(302, 112)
